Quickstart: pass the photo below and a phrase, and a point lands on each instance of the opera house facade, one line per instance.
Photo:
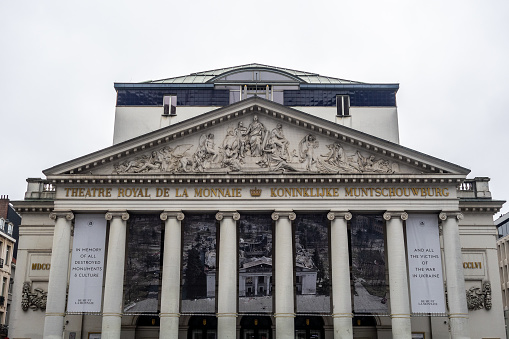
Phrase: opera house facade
(257, 202)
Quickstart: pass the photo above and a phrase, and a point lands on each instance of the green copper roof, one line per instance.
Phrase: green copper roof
(214, 75)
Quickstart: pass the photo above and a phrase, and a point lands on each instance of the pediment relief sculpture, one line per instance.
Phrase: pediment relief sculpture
(258, 145)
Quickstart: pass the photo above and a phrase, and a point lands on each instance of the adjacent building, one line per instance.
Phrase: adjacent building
(9, 223)
(257, 202)
(502, 224)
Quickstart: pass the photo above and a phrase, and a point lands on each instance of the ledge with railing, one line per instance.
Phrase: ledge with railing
(477, 188)
(39, 189)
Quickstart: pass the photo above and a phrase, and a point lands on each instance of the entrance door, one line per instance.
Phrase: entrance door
(309, 328)
(202, 327)
(255, 327)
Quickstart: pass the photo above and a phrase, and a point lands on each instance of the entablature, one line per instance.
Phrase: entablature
(281, 178)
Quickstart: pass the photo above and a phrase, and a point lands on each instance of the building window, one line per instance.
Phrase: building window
(10, 228)
(170, 104)
(7, 254)
(4, 284)
(343, 105)
(2, 224)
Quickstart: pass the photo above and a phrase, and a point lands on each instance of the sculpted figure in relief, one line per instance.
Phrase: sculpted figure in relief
(275, 151)
(369, 165)
(230, 151)
(205, 154)
(307, 150)
(281, 144)
(256, 132)
(256, 149)
(167, 159)
(144, 163)
(337, 160)
(242, 136)
(175, 159)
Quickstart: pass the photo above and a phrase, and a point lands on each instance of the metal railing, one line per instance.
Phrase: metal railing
(467, 185)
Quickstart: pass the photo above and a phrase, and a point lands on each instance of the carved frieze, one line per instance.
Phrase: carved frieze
(478, 298)
(253, 146)
(35, 300)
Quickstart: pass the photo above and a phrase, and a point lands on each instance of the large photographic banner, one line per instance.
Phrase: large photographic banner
(143, 264)
(199, 263)
(255, 263)
(312, 268)
(368, 264)
(87, 265)
(425, 264)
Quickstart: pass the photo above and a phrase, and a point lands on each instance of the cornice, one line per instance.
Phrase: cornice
(480, 206)
(33, 206)
(249, 178)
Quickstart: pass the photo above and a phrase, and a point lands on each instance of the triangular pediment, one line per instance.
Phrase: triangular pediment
(254, 136)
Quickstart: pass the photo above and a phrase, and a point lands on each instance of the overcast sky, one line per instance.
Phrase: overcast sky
(59, 60)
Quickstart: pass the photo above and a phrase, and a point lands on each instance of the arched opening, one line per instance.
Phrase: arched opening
(309, 327)
(255, 327)
(202, 327)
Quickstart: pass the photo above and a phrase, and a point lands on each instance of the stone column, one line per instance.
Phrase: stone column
(456, 297)
(284, 304)
(114, 279)
(170, 289)
(227, 277)
(57, 285)
(340, 266)
(398, 281)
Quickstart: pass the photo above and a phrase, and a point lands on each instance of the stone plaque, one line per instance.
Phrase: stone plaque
(39, 265)
(474, 265)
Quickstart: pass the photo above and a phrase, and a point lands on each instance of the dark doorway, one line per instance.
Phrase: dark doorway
(202, 327)
(255, 327)
(309, 328)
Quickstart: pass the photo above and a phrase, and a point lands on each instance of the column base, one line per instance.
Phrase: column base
(111, 327)
(53, 326)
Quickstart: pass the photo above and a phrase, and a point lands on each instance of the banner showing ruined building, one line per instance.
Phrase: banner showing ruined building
(87, 265)
(143, 264)
(255, 263)
(199, 263)
(312, 267)
(368, 264)
(425, 264)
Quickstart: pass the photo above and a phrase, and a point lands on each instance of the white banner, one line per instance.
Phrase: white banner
(87, 266)
(425, 264)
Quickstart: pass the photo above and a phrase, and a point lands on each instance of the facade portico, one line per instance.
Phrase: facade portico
(257, 220)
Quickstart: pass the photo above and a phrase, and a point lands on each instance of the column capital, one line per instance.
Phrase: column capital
(117, 214)
(452, 214)
(61, 214)
(227, 214)
(390, 214)
(339, 214)
(172, 214)
(283, 214)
